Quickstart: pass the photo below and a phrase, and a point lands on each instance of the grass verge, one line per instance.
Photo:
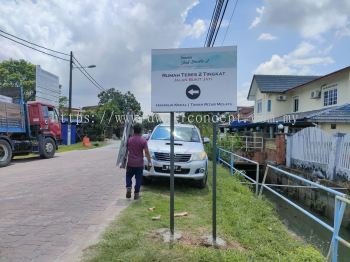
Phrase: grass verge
(65, 148)
(249, 225)
(79, 146)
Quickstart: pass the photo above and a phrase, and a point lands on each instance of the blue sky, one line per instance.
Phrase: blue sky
(325, 51)
(272, 36)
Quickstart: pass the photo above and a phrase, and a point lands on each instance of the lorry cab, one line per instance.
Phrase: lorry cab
(43, 118)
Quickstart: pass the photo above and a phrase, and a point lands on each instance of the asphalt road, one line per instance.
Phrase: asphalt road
(50, 210)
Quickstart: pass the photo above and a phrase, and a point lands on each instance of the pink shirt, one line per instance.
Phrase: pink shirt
(136, 145)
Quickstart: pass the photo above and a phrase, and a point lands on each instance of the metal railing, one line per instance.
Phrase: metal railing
(341, 199)
(230, 164)
(248, 143)
(340, 203)
(252, 143)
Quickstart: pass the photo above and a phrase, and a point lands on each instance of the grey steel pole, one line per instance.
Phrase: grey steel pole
(69, 129)
(172, 176)
(215, 127)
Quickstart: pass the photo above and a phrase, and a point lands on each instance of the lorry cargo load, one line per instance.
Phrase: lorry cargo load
(5, 99)
(11, 118)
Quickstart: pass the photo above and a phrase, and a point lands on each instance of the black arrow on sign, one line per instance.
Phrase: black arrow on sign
(193, 91)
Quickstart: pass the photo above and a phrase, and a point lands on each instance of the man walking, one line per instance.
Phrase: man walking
(136, 145)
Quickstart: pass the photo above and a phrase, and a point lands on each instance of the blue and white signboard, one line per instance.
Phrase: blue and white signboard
(194, 79)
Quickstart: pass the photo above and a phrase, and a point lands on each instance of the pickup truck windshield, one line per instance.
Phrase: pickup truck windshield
(186, 134)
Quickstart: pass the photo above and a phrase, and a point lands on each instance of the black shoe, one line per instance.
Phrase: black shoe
(128, 193)
(136, 196)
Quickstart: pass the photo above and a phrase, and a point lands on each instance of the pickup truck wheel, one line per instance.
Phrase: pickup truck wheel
(5, 153)
(146, 180)
(203, 182)
(48, 148)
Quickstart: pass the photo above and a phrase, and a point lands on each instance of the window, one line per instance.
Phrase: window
(333, 126)
(45, 112)
(269, 105)
(53, 114)
(296, 104)
(330, 97)
(187, 134)
(259, 106)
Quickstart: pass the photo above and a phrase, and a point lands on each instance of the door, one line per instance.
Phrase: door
(54, 123)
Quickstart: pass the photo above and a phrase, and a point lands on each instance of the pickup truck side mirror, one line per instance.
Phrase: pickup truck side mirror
(206, 140)
(146, 136)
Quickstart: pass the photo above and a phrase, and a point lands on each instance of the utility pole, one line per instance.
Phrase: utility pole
(69, 127)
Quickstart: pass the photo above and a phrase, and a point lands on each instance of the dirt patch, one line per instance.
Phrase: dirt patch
(190, 239)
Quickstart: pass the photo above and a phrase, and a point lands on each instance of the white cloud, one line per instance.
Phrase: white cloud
(257, 19)
(343, 32)
(197, 29)
(225, 23)
(277, 65)
(117, 36)
(311, 18)
(299, 61)
(242, 94)
(266, 37)
(303, 49)
(313, 61)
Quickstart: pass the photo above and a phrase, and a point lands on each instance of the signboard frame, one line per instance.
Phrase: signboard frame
(47, 87)
(183, 79)
(182, 67)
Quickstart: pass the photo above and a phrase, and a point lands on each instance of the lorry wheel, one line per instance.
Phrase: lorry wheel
(48, 148)
(5, 153)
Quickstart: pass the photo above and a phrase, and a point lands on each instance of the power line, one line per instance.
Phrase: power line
(86, 74)
(215, 21)
(2, 31)
(33, 48)
(222, 16)
(211, 22)
(229, 23)
(215, 24)
(100, 88)
(92, 79)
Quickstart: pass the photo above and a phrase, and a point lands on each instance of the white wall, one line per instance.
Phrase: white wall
(306, 103)
(340, 128)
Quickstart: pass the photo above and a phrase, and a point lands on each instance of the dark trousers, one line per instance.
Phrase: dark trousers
(138, 173)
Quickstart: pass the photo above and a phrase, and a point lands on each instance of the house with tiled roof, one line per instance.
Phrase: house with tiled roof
(311, 100)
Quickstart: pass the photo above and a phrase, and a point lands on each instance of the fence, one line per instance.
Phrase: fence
(341, 200)
(340, 203)
(314, 149)
(245, 143)
(343, 166)
(231, 157)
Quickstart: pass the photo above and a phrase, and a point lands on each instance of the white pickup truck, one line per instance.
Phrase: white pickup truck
(191, 161)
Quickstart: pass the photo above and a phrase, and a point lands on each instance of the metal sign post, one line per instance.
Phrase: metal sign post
(172, 176)
(215, 127)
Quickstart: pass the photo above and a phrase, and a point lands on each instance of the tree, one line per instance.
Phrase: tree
(113, 106)
(121, 103)
(18, 73)
(203, 120)
(63, 103)
(150, 122)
